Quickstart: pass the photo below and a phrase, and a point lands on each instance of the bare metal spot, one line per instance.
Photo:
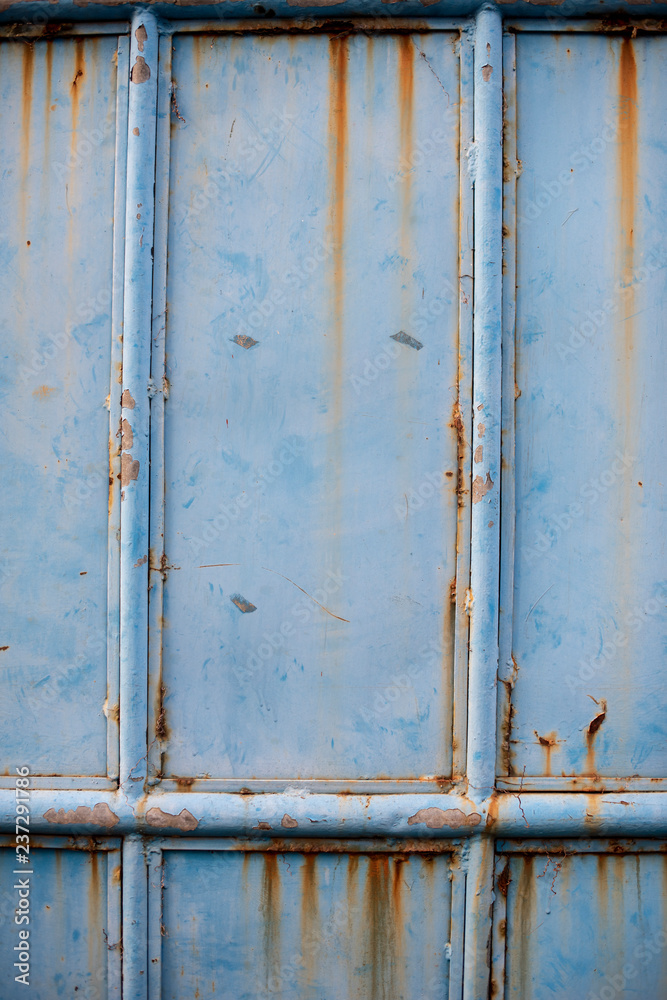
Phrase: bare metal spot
(140, 562)
(404, 338)
(288, 822)
(435, 818)
(486, 73)
(245, 606)
(135, 131)
(99, 815)
(141, 35)
(479, 453)
(597, 722)
(184, 821)
(3, 648)
(262, 826)
(127, 435)
(481, 430)
(129, 469)
(244, 341)
(480, 487)
(126, 400)
(141, 71)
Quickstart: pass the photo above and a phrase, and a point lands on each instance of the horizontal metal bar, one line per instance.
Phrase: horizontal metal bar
(41, 27)
(580, 845)
(79, 10)
(584, 783)
(299, 814)
(382, 23)
(555, 22)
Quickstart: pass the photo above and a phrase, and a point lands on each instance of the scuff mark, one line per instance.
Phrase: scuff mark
(129, 469)
(126, 400)
(480, 487)
(244, 341)
(404, 338)
(245, 606)
(184, 821)
(99, 815)
(141, 35)
(141, 71)
(288, 822)
(435, 818)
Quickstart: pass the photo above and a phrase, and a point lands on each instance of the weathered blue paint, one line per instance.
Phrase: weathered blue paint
(135, 400)
(486, 166)
(584, 655)
(236, 878)
(73, 920)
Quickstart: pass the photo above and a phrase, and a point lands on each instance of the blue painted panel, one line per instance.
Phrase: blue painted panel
(73, 925)
(58, 119)
(590, 926)
(590, 586)
(310, 452)
(305, 926)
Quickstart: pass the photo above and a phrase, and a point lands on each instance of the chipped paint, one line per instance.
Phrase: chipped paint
(99, 815)
(141, 71)
(163, 820)
(288, 822)
(404, 338)
(480, 487)
(436, 819)
(129, 469)
(245, 606)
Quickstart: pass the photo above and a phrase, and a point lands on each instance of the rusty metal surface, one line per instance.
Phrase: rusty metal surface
(583, 667)
(58, 116)
(312, 429)
(368, 924)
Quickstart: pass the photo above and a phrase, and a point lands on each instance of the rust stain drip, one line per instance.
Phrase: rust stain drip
(94, 912)
(380, 957)
(28, 70)
(547, 742)
(310, 918)
(270, 909)
(591, 731)
(406, 88)
(338, 137)
(508, 719)
(627, 88)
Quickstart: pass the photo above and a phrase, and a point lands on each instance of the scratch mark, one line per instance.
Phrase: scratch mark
(425, 58)
(307, 594)
(569, 216)
(538, 600)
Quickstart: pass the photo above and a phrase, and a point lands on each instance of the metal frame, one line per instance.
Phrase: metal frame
(471, 810)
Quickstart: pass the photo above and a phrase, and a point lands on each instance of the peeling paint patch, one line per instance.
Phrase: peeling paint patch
(135, 131)
(244, 341)
(140, 562)
(141, 71)
(126, 434)
(435, 818)
(141, 35)
(262, 826)
(288, 822)
(126, 400)
(99, 815)
(184, 821)
(479, 454)
(486, 72)
(404, 338)
(129, 469)
(245, 606)
(480, 487)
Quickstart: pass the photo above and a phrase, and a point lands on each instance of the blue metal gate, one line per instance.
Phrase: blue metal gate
(334, 579)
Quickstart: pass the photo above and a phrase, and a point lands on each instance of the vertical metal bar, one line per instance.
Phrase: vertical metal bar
(506, 669)
(135, 920)
(135, 403)
(113, 924)
(487, 315)
(479, 902)
(157, 561)
(155, 862)
(466, 97)
(116, 375)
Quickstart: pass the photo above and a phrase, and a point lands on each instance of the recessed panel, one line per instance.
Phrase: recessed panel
(58, 120)
(590, 582)
(310, 429)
